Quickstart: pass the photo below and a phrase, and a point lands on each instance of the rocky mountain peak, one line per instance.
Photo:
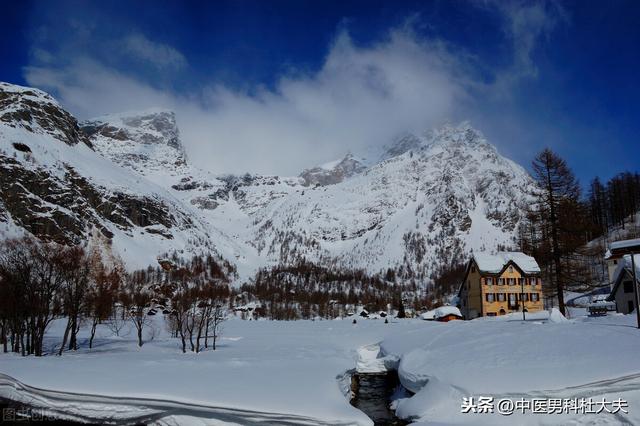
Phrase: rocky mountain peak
(432, 197)
(38, 112)
(461, 135)
(143, 141)
(402, 144)
(145, 127)
(333, 172)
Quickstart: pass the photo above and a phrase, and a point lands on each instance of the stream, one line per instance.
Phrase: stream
(372, 395)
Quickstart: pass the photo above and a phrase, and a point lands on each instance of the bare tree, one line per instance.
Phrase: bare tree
(118, 319)
(215, 324)
(76, 267)
(101, 297)
(181, 304)
(29, 281)
(140, 297)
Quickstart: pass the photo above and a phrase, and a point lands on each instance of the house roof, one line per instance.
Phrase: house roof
(621, 247)
(441, 312)
(625, 244)
(495, 263)
(624, 266)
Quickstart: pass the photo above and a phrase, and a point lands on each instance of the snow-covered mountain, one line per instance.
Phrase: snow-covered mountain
(54, 185)
(431, 198)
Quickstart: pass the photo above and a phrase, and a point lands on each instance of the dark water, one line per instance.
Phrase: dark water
(373, 393)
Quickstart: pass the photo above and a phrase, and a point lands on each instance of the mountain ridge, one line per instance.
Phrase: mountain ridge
(429, 200)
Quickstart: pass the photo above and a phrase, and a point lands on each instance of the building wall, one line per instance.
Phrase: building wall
(624, 299)
(471, 294)
(612, 264)
(498, 307)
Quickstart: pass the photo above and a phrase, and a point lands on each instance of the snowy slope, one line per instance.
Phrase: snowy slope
(453, 194)
(430, 198)
(55, 186)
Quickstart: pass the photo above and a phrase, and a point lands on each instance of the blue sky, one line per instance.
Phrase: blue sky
(276, 86)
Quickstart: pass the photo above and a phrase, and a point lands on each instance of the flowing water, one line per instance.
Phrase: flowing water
(372, 395)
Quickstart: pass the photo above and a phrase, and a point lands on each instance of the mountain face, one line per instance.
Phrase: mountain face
(334, 172)
(54, 185)
(430, 199)
(138, 141)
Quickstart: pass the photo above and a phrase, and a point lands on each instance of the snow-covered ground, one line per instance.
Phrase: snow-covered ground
(285, 372)
(505, 358)
(298, 372)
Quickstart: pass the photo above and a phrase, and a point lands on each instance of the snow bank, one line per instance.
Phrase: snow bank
(556, 316)
(556, 359)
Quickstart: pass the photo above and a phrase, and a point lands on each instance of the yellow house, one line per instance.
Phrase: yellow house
(498, 284)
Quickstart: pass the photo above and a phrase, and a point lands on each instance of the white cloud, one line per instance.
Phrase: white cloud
(158, 54)
(360, 98)
(87, 88)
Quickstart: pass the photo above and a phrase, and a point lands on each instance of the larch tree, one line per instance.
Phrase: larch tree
(559, 192)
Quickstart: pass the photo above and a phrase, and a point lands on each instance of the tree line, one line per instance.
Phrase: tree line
(41, 282)
(44, 281)
(612, 203)
(561, 222)
(306, 290)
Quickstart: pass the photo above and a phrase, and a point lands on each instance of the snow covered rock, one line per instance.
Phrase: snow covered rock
(37, 112)
(55, 186)
(140, 141)
(334, 172)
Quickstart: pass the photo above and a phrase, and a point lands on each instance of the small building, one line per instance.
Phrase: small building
(616, 251)
(501, 283)
(443, 314)
(448, 313)
(622, 280)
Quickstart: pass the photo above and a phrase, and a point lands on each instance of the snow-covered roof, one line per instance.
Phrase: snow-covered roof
(440, 312)
(443, 311)
(617, 245)
(617, 248)
(429, 315)
(494, 263)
